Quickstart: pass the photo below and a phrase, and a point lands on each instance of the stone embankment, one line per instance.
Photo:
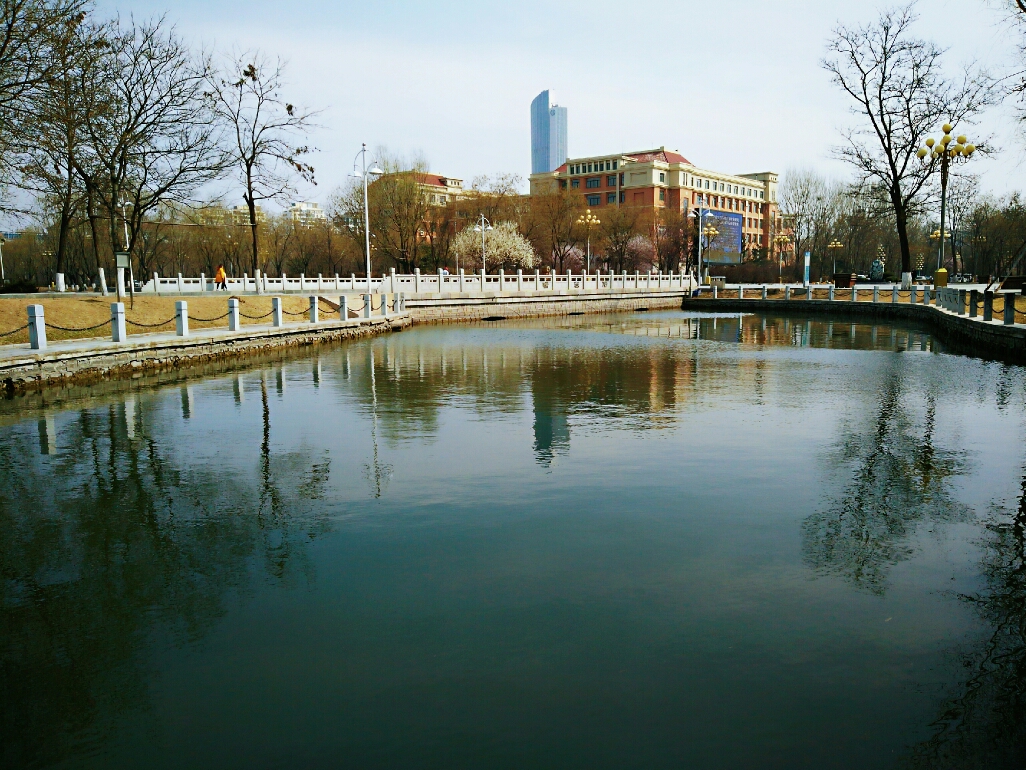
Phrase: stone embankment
(83, 360)
(496, 308)
(959, 333)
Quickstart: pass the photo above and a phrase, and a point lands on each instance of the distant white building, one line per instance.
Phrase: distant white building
(306, 213)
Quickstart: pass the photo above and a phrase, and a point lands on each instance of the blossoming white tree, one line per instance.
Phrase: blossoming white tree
(505, 248)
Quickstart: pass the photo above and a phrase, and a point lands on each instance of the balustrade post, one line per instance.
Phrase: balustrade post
(181, 318)
(118, 330)
(37, 327)
(313, 309)
(988, 306)
(276, 314)
(233, 315)
(974, 298)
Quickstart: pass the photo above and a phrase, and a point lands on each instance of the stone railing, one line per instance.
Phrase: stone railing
(433, 283)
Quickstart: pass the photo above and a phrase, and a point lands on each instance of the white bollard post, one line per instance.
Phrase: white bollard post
(343, 307)
(313, 310)
(257, 275)
(366, 305)
(854, 294)
(320, 284)
(233, 315)
(59, 282)
(118, 331)
(338, 285)
(520, 280)
(416, 280)
(440, 280)
(103, 283)
(156, 284)
(876, 294)
(181, 284)
(537, 280)
(461, 280)
(715, 292)
(276, 319)
(894, 295)
(740, 289)
(391, 279)
(912, 295)
(284, 284)
(787, 292)
(384, 304)
(203, 282)
(182, 318)
(302, 282)
(502, 276)
(764, 291)
(37, 327)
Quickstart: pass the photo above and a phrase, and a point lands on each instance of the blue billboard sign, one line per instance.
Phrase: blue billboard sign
(726, 247)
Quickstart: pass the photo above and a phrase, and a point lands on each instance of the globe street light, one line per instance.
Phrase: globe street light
(833, 246)
(782, 240)
(374, 169)
(587, 219)
(484, 227)
(943, 154)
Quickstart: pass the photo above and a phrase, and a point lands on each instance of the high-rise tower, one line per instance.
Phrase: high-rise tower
(548, 135)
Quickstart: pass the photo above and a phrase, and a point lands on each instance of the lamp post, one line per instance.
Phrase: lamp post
(943, 154)
(484, 226)
(588, 220)
(3, 275)
(834, 246)
(782, 240)
(362, 173)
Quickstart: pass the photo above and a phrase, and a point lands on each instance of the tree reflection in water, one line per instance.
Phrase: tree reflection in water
(110, 545)
(898, 478)
(985, 725)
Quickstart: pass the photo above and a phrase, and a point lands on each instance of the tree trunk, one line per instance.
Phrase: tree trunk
(62, 233)
(901, 219)
(251, 205)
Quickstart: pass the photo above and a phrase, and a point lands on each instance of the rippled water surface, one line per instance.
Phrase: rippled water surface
(644, 540)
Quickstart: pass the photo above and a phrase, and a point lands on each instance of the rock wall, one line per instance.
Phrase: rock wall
(49, 368)
(499, 308)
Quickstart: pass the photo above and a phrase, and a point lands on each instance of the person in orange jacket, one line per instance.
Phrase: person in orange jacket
(220, 279)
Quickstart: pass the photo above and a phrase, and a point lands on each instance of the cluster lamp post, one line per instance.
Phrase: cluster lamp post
(943, 154)
(834, 246)
(782, 240)
(588, 220)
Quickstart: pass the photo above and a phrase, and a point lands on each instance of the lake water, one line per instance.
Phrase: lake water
(643, 540)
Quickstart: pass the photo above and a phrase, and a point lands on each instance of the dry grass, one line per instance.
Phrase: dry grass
(77, 312)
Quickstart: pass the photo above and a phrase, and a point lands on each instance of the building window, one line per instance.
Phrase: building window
(706, 184)
(562, 184)
(611, 180)
(611, 197)
(662, 177)
(621, 180)
(590, 167)
(614, 165)
(575, 183)
(594, 200)
(623, 197)
(594, 182)
(662, 195)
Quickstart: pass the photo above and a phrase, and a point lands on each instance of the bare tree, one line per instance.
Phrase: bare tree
(28, 29)
(151, 133)
(900, 95)
(263, 128)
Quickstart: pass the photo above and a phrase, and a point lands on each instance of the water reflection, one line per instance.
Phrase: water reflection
(892, 477)
(984, 726)
(141, 519)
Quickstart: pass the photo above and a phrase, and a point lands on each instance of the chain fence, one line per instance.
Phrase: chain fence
(74, 331)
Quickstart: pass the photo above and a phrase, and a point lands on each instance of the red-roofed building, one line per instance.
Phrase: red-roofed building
(661, 179)
(441, 190)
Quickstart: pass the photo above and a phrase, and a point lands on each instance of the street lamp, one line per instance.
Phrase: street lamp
(485, 226)
(588, 220)
(944, 153)
(833, 246)
(366, 208)
(782, 240)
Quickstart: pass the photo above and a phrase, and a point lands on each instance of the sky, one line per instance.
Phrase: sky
(736, 86)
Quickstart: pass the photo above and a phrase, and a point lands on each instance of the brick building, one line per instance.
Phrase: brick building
(661, 179)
